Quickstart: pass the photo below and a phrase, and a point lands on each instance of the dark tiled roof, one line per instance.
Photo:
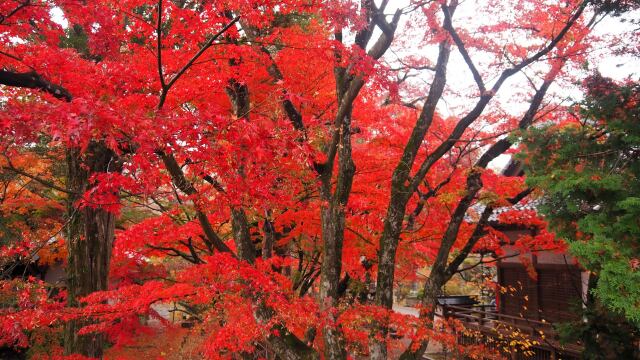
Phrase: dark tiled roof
(476, 210)
(521, 206)
(513, 168)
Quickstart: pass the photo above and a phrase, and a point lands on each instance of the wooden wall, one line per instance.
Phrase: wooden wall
(553, 296)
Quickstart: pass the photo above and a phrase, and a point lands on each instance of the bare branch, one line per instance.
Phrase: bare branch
(463, 51)
(159, 46)
(33, 80)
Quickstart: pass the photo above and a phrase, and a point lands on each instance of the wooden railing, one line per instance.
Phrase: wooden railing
(486, 315)
(486, 320)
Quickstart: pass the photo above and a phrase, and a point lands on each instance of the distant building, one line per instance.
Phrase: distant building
(537, 290)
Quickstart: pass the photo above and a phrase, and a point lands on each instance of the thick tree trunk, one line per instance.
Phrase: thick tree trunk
(432, 289)
(439, 270)
(333, 223)
(286, 345)
(400, 195)
(90, 231)
(240, 226)
(90, 235)
(333, 236)
(388, 247)
(386, 265)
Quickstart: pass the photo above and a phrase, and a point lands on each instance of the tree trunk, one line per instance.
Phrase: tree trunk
(389, 245)
(240, 226)
(241, 105)
(386, 265)
(269, 237)
(333, 236)
(432, 289)
(333, 223)
(286, 345)
(90, 235)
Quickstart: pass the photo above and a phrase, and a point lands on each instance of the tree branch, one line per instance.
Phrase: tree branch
(180, 181)
(33, 80)
(463, 51)
(159, 45)
(485, 97)
(40, 180)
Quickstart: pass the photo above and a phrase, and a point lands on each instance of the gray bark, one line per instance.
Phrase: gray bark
(240, 226)
(90, 235)
(333, 222)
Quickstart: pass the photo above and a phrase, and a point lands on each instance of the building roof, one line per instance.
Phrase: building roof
(513, 168)
(524, 205)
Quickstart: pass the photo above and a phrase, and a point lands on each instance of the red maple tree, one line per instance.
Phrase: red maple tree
(261, 164)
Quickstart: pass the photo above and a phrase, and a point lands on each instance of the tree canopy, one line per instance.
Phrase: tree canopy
(271, 169)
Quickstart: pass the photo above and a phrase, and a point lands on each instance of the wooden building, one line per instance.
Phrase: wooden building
(539, 289)
(533, 299)
(553, 289)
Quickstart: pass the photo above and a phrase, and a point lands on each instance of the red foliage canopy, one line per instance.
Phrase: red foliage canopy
(214, 109)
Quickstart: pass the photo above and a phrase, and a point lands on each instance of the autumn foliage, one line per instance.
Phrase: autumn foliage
(238, 164)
